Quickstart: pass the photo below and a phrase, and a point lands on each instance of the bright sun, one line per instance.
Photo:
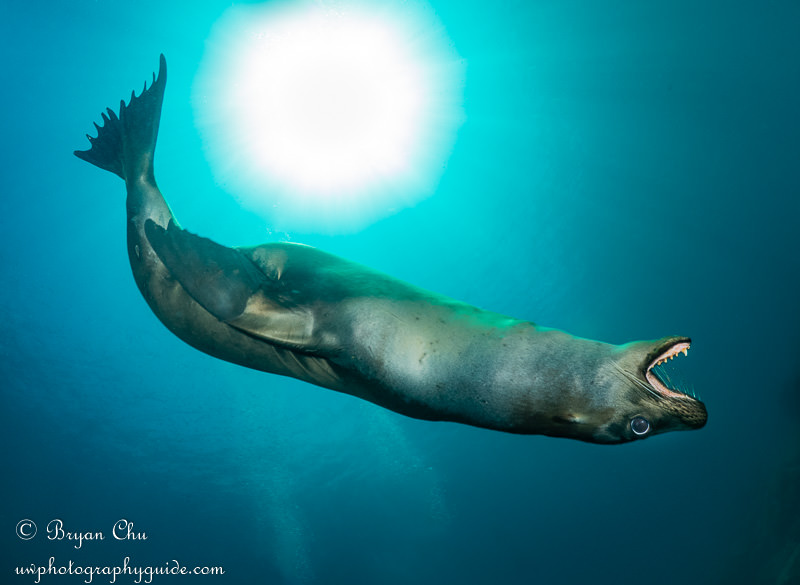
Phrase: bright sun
(329, 117)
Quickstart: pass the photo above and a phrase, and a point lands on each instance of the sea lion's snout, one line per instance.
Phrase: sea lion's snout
(676, 396)
(660, 402)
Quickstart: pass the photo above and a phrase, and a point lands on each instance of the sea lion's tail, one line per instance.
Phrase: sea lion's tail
(125, 144)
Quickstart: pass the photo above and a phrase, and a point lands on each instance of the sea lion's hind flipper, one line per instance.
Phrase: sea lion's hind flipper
(125, 144)
(227, 284)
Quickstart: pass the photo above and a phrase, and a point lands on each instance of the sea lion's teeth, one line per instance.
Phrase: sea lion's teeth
(685, 351)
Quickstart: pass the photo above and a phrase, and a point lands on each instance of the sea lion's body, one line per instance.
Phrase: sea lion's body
(297, 311)
(366, 334)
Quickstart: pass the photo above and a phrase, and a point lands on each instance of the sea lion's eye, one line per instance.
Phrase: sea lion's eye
(640, 425)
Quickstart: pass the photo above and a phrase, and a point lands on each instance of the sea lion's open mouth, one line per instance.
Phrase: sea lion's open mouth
(658, 377)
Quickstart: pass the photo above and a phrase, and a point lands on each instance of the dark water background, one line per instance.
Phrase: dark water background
(627, 170)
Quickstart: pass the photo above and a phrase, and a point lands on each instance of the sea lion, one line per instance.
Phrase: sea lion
(297, 311)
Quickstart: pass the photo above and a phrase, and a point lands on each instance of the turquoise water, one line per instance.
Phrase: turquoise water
(625, 170)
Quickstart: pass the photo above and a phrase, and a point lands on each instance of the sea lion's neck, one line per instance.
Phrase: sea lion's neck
(545, 379)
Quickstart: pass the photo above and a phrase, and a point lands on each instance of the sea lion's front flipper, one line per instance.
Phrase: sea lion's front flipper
(227, 284)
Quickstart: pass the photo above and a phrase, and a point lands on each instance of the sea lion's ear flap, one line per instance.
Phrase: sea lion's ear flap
(568, 418)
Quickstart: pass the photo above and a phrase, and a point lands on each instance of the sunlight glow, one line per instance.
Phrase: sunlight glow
(329, 117)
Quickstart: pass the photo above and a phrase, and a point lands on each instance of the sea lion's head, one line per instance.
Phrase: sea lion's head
(641, 398)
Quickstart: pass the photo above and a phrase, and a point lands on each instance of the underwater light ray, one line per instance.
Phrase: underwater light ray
(329, 118)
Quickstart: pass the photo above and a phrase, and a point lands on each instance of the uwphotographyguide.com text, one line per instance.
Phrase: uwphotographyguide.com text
(125, 571)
